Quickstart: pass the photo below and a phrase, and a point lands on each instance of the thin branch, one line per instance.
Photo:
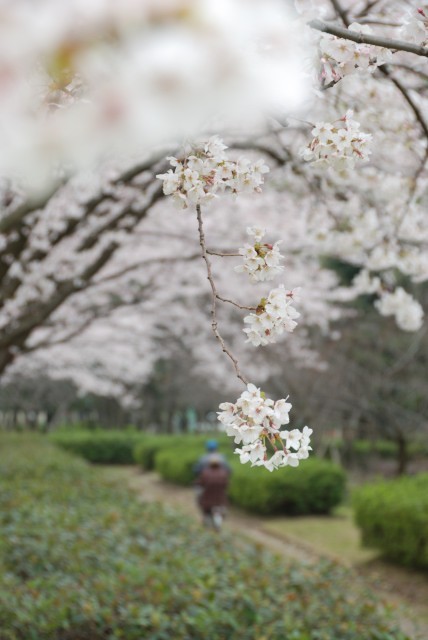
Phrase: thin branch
(53, 343)
(406, 95)
(223, 255)
(214, 322)
(235, 304)
(407, 67)
(365, 38)
(145, 165)
(341, 12)
(407, 357)
(383, 23)
(367, 8)
(258, 146)
(142, 263)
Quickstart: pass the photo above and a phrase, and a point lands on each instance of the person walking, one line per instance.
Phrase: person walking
(212, 482)
(211, 447)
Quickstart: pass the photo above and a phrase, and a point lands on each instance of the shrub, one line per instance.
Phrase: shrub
(176, 465)
(105, 447)
(385, 449)
(82, 559)
(145, 451)
(381, 448)
(393, 517)
(316, 486)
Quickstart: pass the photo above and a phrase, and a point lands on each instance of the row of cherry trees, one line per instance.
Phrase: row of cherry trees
(97, 266)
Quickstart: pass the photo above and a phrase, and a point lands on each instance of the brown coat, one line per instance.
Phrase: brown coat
(214, 481)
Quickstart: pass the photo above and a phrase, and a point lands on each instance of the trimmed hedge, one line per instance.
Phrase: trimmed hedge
(393, 517)
(82, 559)
(384, 449)
(100, 446)
(316, 486)
(176, 465)
(145, 451)
(387, 449)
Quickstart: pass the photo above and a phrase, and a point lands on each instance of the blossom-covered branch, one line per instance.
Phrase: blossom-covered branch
(254, 420)
(364, 38)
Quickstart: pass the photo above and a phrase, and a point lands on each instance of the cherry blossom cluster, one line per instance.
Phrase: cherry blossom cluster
(261, 260)
(204, 174)
(415, 26)
(275, 314)
(407, 311)
(338, 144)
(256, 421)
(342, 57)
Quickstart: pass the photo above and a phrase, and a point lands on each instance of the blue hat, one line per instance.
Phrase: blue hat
(211, 445)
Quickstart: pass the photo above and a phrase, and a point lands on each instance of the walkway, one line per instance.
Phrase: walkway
(404, 589)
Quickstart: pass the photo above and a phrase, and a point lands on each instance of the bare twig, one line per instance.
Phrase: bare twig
(407, 357)
(407, 97)
(367, 8)
(223, 255)
(407, 67)
(383, 23)
(142, 263)
(235, 304)
(342, 13)
(263, 148)
(214, 322)
(365, 38)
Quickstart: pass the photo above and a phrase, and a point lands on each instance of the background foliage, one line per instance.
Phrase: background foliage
(393, 517)
(82, 559)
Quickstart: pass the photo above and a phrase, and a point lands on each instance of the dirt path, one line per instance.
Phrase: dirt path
(151, 488)
(405, 590)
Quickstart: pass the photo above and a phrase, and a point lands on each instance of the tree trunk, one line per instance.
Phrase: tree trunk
(5, 359)
(402, 455)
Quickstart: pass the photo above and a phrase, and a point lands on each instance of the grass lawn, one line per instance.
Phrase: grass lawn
(334, 535)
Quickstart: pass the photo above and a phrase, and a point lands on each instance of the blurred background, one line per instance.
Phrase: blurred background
(110, 375)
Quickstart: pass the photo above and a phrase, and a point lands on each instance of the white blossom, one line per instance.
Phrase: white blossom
(342, 57)
(206, 173)
(261, 260)
(338, 144)
(256, 421)
(407, 311)
(415, 26)
(275, 314)
(364, 283)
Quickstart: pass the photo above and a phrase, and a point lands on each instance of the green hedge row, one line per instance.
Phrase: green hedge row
(176, 465)
(100, 446)
(82, 559)
(316, 486)
(393, 517)
(387, 449)
(145, 451)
